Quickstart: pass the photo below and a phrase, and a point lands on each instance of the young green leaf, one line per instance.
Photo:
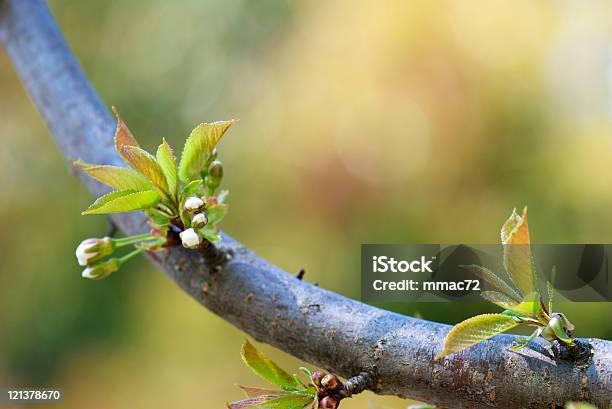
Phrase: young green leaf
(159, 221)
(191, 188)
(288, 402)
(298, 380)
(517, 252)
(494, 280)
(551, 289)
(123, 201)
(530, 307)
(165, 158)
(474, 330)
(265, 367)
(524, 341)
(216, 213)
(145, 163)
(579, 405)
(498, 299)
(306, 372)
(116, 177)
(123, 136)
(210, 234)
(198, 148)
(556, 327)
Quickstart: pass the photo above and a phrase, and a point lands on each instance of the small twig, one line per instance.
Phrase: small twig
(356, 384)
(300, 274)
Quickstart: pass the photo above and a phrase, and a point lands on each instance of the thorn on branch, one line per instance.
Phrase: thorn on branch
(300, 274)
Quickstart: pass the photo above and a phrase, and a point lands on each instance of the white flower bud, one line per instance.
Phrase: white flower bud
(199, 220)
(93, 249)
(102, 270)
(190, 238)
(193, 203)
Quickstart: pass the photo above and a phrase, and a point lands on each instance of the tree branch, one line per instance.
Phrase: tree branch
(313, 324)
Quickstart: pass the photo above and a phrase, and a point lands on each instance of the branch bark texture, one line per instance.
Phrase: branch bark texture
(318, 326)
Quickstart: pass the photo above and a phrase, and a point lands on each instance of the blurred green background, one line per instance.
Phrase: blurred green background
(361, 121)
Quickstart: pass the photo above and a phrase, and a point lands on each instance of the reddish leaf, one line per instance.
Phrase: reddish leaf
(145, 163)
(252, 391)
(123, 136)
(251, 402)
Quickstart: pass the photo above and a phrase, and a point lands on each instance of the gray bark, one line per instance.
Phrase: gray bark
(313, 324)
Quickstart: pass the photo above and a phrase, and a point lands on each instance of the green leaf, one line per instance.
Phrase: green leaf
(158, 217)
(198, 148)
(123, 201)
(475, 330)
(517, 252)
(114, 176)
(524, 341)
(498, 299)
(159, 221)
(265, 367)
(531, 306)
(520, 318)
(216, 213)
(297, 379)
(306, 372)
(556, 325)
(551, 289)
(494, 280)
(166, 160)
(145, 163)
(579, 405)
(191, 188)
(288, 402)
(210, 234)
(123, 136)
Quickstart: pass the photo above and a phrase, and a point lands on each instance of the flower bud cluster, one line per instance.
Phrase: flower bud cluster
(194, 207)
(328, 385)
(91, 251)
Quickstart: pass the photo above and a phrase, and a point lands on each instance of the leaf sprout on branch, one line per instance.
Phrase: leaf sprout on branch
(321, 390)
(182, 201)
(520, 298)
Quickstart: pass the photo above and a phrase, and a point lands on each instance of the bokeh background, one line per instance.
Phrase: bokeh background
(361, 121)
